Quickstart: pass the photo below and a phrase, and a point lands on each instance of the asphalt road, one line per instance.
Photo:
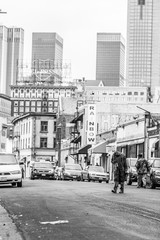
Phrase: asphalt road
(56, 210)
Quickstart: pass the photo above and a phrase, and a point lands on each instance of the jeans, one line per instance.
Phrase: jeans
(141, 180)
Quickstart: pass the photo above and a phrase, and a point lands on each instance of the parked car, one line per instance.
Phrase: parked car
(153, 179)
(131, 172)
(71, 172)
(10, 171)
(58, 173)
(95, 173)
(42, 170)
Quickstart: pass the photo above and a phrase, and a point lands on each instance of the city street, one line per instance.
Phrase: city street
(71, 210)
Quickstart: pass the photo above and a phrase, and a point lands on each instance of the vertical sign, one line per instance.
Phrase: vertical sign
(91, 130)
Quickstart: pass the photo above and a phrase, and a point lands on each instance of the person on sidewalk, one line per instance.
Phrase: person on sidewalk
(143, 169)
(120, 170)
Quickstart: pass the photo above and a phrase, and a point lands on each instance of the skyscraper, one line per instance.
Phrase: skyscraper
(143, 43)
(110, 59)
(11, 49)
(47, 54)
(3, 58)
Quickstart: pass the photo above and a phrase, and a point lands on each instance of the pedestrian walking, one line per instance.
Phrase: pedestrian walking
(143, 169)
(120, 171)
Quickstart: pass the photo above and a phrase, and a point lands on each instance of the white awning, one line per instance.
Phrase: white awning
(131, 142)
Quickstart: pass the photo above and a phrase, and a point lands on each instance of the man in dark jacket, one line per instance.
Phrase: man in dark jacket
(143, 168)
(119, 170)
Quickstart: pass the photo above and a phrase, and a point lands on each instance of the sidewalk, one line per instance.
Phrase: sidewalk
(8, 230)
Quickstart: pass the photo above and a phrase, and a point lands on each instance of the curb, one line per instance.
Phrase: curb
(8, 230)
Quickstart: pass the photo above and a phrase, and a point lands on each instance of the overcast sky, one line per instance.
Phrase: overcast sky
(76, 21)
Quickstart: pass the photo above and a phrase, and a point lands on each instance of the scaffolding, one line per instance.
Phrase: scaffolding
(47, 72)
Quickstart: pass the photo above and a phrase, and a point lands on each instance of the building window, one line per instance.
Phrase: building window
(27, 103)
(21, 103)
(33, 103)
(38, 103)
(55, 127)
(43, 142)
(141, 2)
(54, 142)
(44, 126)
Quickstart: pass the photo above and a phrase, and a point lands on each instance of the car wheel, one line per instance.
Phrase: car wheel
(19, 184)
(100, 181)
(13, 184)
(107, 181)
(129, 181)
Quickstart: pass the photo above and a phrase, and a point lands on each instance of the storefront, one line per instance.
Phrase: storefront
(98, 154)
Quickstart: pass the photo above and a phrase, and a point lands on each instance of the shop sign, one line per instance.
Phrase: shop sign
(91, 128)
(153, 132)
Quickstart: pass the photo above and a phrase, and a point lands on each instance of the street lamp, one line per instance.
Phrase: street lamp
(59, 137)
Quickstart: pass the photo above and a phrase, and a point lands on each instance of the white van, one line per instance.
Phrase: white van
(10, 171)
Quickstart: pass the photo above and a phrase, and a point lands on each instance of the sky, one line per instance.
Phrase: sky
(76, 21)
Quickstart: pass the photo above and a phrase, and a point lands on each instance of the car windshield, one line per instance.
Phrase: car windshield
(156, 163)
(96, 169)
(43, 165)
(73, 167)
(7, 159)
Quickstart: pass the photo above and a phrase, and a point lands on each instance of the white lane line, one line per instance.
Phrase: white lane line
(56, 222)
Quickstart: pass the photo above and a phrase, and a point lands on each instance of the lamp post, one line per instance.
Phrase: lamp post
(59, 136)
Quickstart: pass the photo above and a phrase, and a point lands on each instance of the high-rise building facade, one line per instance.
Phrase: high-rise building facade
(47, 56)
(3, 58)
(11, 51)
(143, 48)
(110, 59)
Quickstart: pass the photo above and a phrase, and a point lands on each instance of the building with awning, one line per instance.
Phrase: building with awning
(131, 138)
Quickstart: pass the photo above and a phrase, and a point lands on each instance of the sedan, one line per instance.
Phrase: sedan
(71, 172)
(42, 170)
(10, 171)
(95, 173)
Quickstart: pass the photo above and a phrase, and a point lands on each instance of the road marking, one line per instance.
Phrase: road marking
(55, 222)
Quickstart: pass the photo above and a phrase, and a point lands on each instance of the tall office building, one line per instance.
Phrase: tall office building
(110, 59)
(11, 51)
(143, 43)
(47, 56)
(3, 58)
